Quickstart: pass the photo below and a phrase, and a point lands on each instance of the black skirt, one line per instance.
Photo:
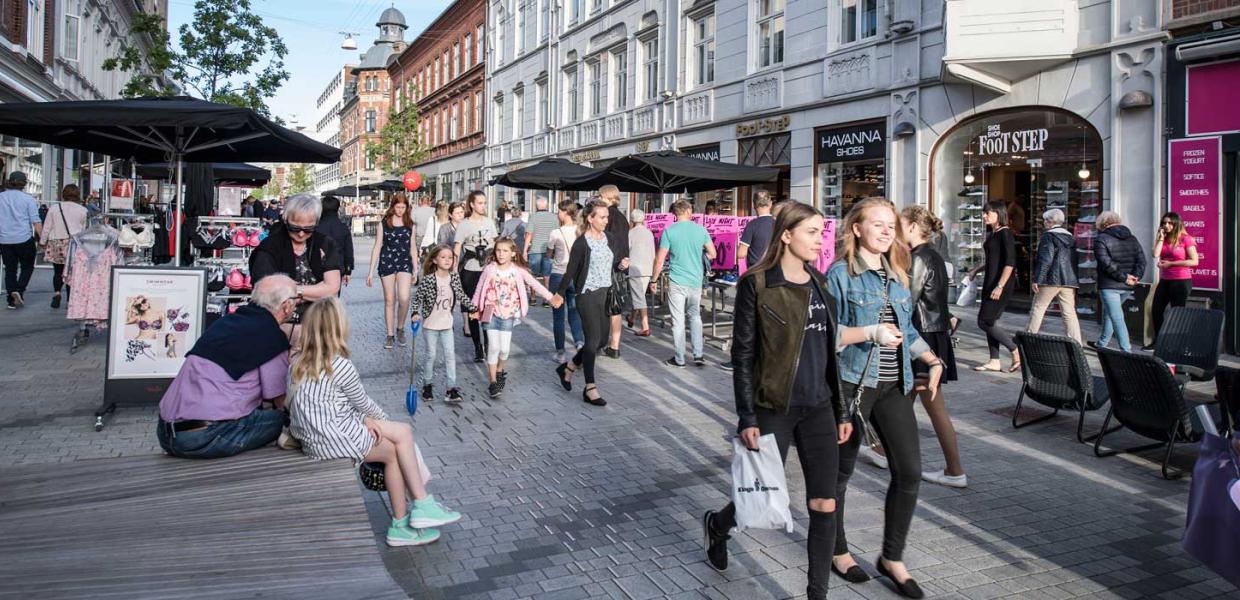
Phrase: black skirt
(940, 343)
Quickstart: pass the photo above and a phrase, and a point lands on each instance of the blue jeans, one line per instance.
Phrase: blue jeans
(433, 340)
(569, 308)
(540, 264)
(1113, 318)
(222, 439)
(682, 300)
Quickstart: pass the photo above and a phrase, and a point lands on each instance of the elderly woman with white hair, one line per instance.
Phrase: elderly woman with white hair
(1054, 275)
(295, 248)
(1121, 265)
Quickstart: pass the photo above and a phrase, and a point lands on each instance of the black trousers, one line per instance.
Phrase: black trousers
(58, 277)
(1170, 292)
(595, 325)
(988, 321)
(814, 430)
(890, 413)
(469, 282)
(18, 265)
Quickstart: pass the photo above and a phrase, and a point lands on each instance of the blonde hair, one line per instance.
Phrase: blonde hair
(1106, 219)
(898, 259)
(609, 193)
(324, 336)
(924, 219)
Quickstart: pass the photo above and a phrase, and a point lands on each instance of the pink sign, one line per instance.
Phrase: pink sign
(1195, 192)
(657, 222)
(826, 256)
(1209, 96)
(725, 249)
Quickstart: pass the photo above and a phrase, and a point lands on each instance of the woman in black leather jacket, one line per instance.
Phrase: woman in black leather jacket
(785, 337)
(933, 320)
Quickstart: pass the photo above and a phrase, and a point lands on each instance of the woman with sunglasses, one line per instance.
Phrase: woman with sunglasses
(1176, 253)
(295, 248)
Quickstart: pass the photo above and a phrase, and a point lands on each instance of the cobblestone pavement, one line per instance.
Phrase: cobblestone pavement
(564, 500)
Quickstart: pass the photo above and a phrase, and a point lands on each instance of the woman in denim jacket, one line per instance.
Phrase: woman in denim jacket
(872, 256)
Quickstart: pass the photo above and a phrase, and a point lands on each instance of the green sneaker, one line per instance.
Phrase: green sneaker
(429, 513)
(399, 534)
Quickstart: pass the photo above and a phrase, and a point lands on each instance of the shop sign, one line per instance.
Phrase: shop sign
(997, 141)
(861, 142)
(657, 222)
(588, 155)
(121, 197)
(710, 152)
(1195, 192)
(763, 126)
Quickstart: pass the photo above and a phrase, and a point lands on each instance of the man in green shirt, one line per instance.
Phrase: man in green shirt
(686, 241)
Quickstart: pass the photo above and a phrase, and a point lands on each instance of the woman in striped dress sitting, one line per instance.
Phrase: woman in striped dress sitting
(334, 418)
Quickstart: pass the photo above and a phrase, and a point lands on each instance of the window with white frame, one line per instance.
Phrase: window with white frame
(596, 5)
(704, 49)
(448, 70)
(73, 38)
(575, 8)
(571, 113)
(34, 28)
(544, 19)
(456, 57)
(620, 79)
(858, 20)
(522, 6)
(497, 119)
(499, 37)
(479, 40)
(518, 114)
(371, 118)
(544, 107)
(478, 111)
(770, 32)
(469, 50)
(595, 70)
(650, 68)
(438, 74)
(453, 132)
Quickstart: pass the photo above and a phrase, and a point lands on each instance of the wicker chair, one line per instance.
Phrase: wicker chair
(1190, 339)
(1227, 383)
(1146, 399)
(1055, 374)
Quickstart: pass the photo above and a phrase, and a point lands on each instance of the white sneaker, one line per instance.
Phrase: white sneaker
(559, 357)
(942, 478)
(871, 456)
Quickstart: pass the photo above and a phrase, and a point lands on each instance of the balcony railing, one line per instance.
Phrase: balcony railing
(497, 154)
(568, 137)
(589, 133)
(698, 108)
(515, 150)
(646, 119)
(616, 127)
(540, 145)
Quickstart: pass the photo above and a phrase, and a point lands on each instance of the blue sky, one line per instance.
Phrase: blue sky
(309, 29)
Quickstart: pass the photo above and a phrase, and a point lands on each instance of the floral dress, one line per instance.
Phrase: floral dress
(394, 255)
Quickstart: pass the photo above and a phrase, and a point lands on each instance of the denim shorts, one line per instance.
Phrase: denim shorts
(500, 324)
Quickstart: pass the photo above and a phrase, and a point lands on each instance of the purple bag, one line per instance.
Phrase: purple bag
(1212, 532)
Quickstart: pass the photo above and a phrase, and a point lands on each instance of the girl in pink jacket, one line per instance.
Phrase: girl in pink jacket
(501, 293)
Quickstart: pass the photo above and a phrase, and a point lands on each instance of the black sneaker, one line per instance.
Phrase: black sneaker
(727, 366)
(453, 397)
(1092, 344)
(478, 358)
(716, 545)
(699, 361)
(671, 362)
(495, 389)
(502, 379)
(428, 393)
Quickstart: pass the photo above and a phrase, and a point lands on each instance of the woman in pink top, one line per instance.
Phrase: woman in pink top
(1176, 252)
(502, 297)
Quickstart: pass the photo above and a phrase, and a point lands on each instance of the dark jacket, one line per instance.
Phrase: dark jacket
(768, 329)
(1057, 259)
(1119, 255)
(928, 284)
(275, 255)
(331, 226)
(578, 266)
(618, 233)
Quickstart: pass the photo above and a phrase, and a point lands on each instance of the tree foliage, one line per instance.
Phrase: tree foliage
(226, 55)
(400, 147)
(300, 179)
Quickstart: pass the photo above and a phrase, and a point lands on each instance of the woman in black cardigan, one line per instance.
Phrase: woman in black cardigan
(591, 262)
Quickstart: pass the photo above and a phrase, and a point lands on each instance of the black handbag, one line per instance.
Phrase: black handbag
(372, 476)
(618, 295)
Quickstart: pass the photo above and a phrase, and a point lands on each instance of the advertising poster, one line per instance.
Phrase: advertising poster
(156, 317)
(725, 234)
(827, 255)
(657, 222)
(1195, 192)
(121, 198)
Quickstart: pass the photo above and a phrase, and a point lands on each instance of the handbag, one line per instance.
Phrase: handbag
(1214, 508)
(618, 293)
(759, 486)
(371, 473)
(871, 438)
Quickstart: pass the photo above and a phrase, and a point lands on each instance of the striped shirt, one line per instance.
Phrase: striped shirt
(326, 414)
(888, 358)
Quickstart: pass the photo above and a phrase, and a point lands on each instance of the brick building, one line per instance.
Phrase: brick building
(367, 99)
(444, 70)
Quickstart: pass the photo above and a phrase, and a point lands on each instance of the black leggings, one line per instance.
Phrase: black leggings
(596, 325)
(469, 281)
(814, 431)
(890, 412)
(1170, 292)
(58, 277)
(988, 321)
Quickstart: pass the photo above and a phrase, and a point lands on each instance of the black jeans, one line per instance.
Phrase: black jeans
(988, 321)
(1170, 292)
(469, 281)
(595, 325)
(890, 413)
(814, 430)
(18, 265)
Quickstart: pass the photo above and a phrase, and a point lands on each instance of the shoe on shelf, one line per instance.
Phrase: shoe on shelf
(727, 366)
(399, 534)
(495, 389)
(872, 456)
(942, 478)
(671, 362)
(401, 339)
(427, 512)
(699, 361)
(453, 397)
(389, 342)
(715, 544)
(428, 393)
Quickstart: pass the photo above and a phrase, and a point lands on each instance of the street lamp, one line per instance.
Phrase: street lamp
(349, 43)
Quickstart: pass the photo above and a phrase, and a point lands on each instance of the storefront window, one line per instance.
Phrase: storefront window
(1032, 161)
(766, 151)
(850, 165)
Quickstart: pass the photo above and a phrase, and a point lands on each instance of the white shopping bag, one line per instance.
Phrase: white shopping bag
(759, 489)
(969, 295)
(423, 470)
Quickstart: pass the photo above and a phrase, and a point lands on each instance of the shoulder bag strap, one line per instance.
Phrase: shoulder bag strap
(869, 359)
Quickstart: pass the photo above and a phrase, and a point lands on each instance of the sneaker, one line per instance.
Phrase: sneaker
(16, 300)
(716, 545)
(1054, 189)
(453, 397)
(671, 362)
(727, 366)
(1093, 344)
(401, 339)
(399, 534)
(502, 379)
(872, 456)
(559, 357)
(495, 389)
(1088, 264)
(942, 478)
(389, 342)
(429, 513)
(428, 393)
(478, 358)
(699, 361)
(286, 441)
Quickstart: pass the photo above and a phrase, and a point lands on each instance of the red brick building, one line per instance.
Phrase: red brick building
(443, 69)
(367, 99)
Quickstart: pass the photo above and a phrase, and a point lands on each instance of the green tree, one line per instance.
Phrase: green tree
(300, 179)
(399, 147)
(225, 55)
(269, 191)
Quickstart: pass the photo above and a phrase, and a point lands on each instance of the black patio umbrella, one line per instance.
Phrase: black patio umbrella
(390, 185)
(670, 172)
(174, 130)
(547, 174)
(234, 173)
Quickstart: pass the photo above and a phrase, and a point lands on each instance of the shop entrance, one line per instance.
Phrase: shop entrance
(766, 151)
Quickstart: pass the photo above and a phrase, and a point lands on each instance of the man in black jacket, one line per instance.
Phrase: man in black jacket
(331, 226)
(1121, 265)
(618, 237)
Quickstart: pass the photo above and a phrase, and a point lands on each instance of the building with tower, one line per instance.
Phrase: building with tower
(367, 98)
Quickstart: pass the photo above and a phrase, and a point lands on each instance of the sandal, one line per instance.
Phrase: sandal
(1014, 368)
(986, 369)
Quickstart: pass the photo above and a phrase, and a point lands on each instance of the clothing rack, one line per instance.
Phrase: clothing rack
(239, 221)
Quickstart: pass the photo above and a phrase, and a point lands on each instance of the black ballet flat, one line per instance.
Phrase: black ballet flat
(561, 371)
(908, 589)
(854, 574)
(594, 401)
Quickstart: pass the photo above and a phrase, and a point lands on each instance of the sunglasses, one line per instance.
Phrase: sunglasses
(297, 229)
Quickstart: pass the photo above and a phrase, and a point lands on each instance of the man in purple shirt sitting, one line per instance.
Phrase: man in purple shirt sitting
(214, 408)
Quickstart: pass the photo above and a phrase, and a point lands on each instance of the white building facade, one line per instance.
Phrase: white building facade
(327, 128)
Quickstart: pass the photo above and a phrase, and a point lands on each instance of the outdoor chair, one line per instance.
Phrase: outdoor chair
(1227, 382)
(1055, 374)
(1190, 339)
(1147, 400)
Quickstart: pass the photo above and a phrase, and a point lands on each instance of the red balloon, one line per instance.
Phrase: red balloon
(412, 180)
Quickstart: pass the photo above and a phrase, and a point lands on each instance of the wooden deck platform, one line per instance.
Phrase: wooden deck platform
(270, 524)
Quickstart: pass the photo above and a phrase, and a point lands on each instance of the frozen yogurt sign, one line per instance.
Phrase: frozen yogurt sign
(997, 141)
(1195, 192)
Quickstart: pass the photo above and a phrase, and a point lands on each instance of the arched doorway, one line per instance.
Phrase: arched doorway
(1033, 159)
